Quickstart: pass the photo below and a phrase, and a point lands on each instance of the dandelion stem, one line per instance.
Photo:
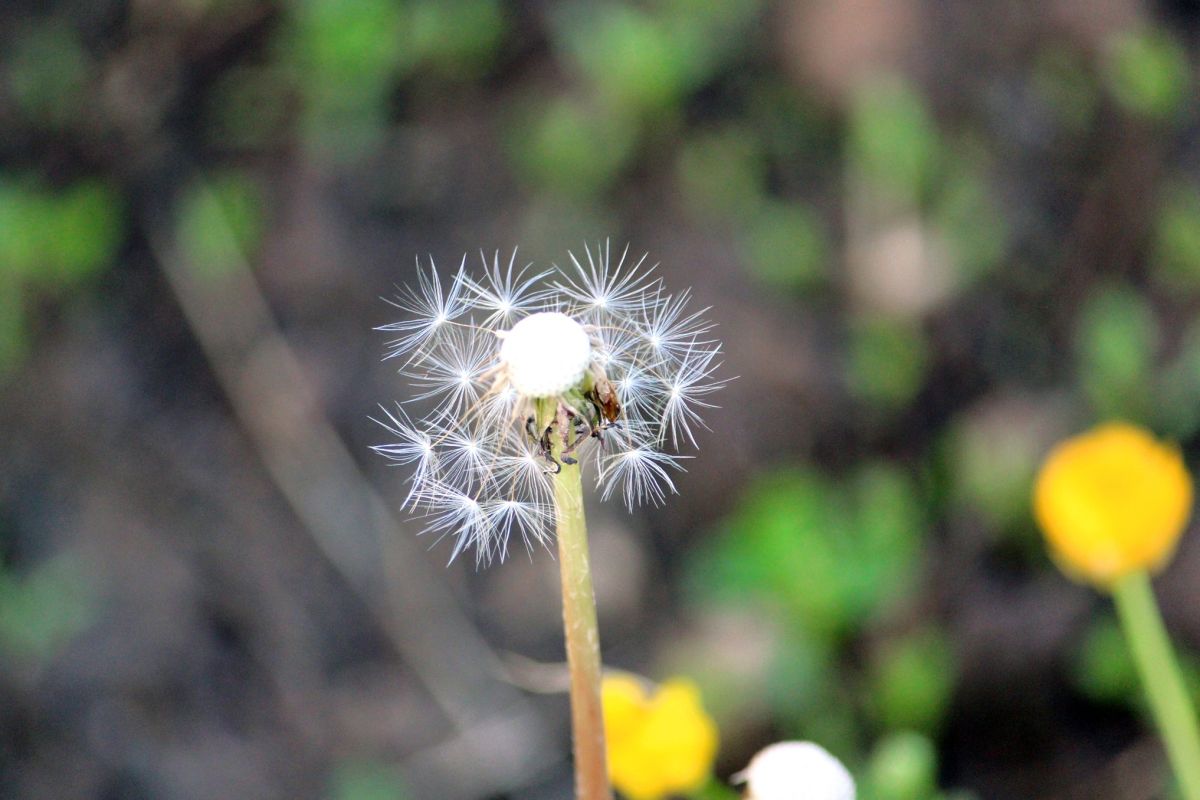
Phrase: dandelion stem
(1163, 682)
(582, 635)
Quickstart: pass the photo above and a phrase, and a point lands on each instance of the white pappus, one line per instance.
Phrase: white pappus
(597, 356)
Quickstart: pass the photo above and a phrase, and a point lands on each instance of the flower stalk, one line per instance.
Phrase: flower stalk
(1169, 701)
(581, 630)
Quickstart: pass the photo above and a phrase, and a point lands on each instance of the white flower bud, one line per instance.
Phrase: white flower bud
(796, 771)
(546, 354)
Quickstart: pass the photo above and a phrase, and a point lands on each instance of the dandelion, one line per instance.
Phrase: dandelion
(1113, 501)
(661, 743)
(527, 376)
(594, 363)
(787, 770)
(1112, 504)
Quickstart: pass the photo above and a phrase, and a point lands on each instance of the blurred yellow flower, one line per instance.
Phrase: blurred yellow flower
(1112, 501)
(658, 744)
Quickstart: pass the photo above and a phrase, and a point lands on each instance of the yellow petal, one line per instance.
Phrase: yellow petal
(1112, 501)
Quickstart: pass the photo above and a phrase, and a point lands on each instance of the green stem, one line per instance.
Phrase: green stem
(582, 635)
(1163, 682)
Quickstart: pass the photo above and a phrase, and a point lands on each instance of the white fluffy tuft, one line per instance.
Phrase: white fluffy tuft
(789, 770)
(546, 354)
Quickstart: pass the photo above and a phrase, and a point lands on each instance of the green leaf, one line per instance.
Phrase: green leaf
(1103, 668)
(968, 216)
(887, 363)
(1149, 73)
(59, 239)
(722, 173)
(991, 455)
(346, 55)
(912, 682)
(827, 555)
(457, 40)
(366, 780)
(714, 790)
(219, 223)
(786, 246)
(1177, 236)
(570, 147)
(892, 139)
(1116, 337)
(24, 209)
(85, 228)
(628, 56)
(902, 767)
(13, 333)
(1177, 414)
(47, 74)
(42, 610)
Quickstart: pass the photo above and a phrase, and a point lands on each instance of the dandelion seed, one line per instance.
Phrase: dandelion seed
(641, 473)
(529, 370)
(602, 289)
(452, 371)
(411, 446)
(429, 309)
(685, 388)
(504, 295)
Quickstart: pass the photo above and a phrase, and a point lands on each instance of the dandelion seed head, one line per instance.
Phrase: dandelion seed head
(776, 772)
(519, 368)
(546, 354)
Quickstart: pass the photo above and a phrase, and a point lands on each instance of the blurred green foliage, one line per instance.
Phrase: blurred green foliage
(824, 560)
(1103, 669)
(886, 361)
(247, 109)
(715, 790)
(903, 766)
(891, 138)
(570, 147)
(1148, 73)
(1116, 340)
(630, 57)
(345, 55)
(365, 780)
(990, 463)
(785, 246)
(1177, 236)
(967, 215)
(47, 73)
(722, 173)
(645, 60)
(42, 609)
(56, 238)
(219, 223)
(912, 682)
(831, 553)
(348, 56)
(51, 241)
(1178, 413)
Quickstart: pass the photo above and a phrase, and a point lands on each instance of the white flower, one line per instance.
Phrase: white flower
(796, 771)
(598, 347)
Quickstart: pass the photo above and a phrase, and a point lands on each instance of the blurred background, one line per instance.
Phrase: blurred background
(936, 236)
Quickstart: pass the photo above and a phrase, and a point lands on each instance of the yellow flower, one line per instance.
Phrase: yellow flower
(1112, 501)
(658, 744)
